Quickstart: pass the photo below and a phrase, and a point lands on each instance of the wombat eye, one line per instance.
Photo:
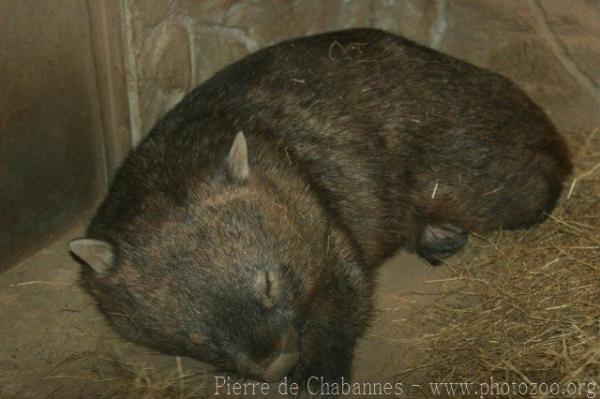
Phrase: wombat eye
(266, 288)
(197, 338)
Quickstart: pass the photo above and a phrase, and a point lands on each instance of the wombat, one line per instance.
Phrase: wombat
(246, 229)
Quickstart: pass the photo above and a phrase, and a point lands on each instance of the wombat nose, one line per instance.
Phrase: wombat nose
(283, 358)
(266, 362)
(279, 367)
(289, 341)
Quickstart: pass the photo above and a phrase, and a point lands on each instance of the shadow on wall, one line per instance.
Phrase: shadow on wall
(51, 150)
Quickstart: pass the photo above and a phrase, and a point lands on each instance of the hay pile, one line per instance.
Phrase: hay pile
(122, 370)
(525, 306)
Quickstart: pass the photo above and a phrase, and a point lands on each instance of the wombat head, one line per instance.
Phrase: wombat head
(224, 278)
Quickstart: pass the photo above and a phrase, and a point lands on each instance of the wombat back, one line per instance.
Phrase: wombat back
(245, 229)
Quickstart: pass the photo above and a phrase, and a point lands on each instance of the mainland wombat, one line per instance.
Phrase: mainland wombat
(245, 230)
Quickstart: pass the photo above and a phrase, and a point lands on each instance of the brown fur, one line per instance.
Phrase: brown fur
(359, 143)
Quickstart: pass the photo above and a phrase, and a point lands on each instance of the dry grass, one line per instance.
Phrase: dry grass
(525, 306)
(127, 371)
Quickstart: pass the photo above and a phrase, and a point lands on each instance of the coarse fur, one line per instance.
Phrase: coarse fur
(235, 248)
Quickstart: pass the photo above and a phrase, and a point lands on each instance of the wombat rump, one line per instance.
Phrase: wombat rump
(246, 229)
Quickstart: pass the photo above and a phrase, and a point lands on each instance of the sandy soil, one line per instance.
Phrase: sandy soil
(55, 344)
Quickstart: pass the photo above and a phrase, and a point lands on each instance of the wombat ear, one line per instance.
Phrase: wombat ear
(266, 288)
(95, 253)
(237, 160)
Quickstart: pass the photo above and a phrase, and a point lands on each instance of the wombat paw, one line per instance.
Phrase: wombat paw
(440, 241)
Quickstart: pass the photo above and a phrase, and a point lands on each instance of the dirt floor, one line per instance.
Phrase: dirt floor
(55, 344)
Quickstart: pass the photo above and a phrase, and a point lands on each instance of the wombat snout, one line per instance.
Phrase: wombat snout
(278, 364)
(279, 367)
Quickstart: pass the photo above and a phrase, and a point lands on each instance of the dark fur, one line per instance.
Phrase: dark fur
(349, 133)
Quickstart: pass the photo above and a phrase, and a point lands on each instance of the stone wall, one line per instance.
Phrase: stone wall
(550, 47)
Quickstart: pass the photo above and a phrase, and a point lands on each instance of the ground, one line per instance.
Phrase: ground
(55, 344)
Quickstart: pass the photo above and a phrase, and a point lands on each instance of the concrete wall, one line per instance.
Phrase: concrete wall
(51, 145)
(550, 47)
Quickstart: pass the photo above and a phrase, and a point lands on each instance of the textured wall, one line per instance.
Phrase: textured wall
(550, 47)
(174, 45)
(51, 147)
